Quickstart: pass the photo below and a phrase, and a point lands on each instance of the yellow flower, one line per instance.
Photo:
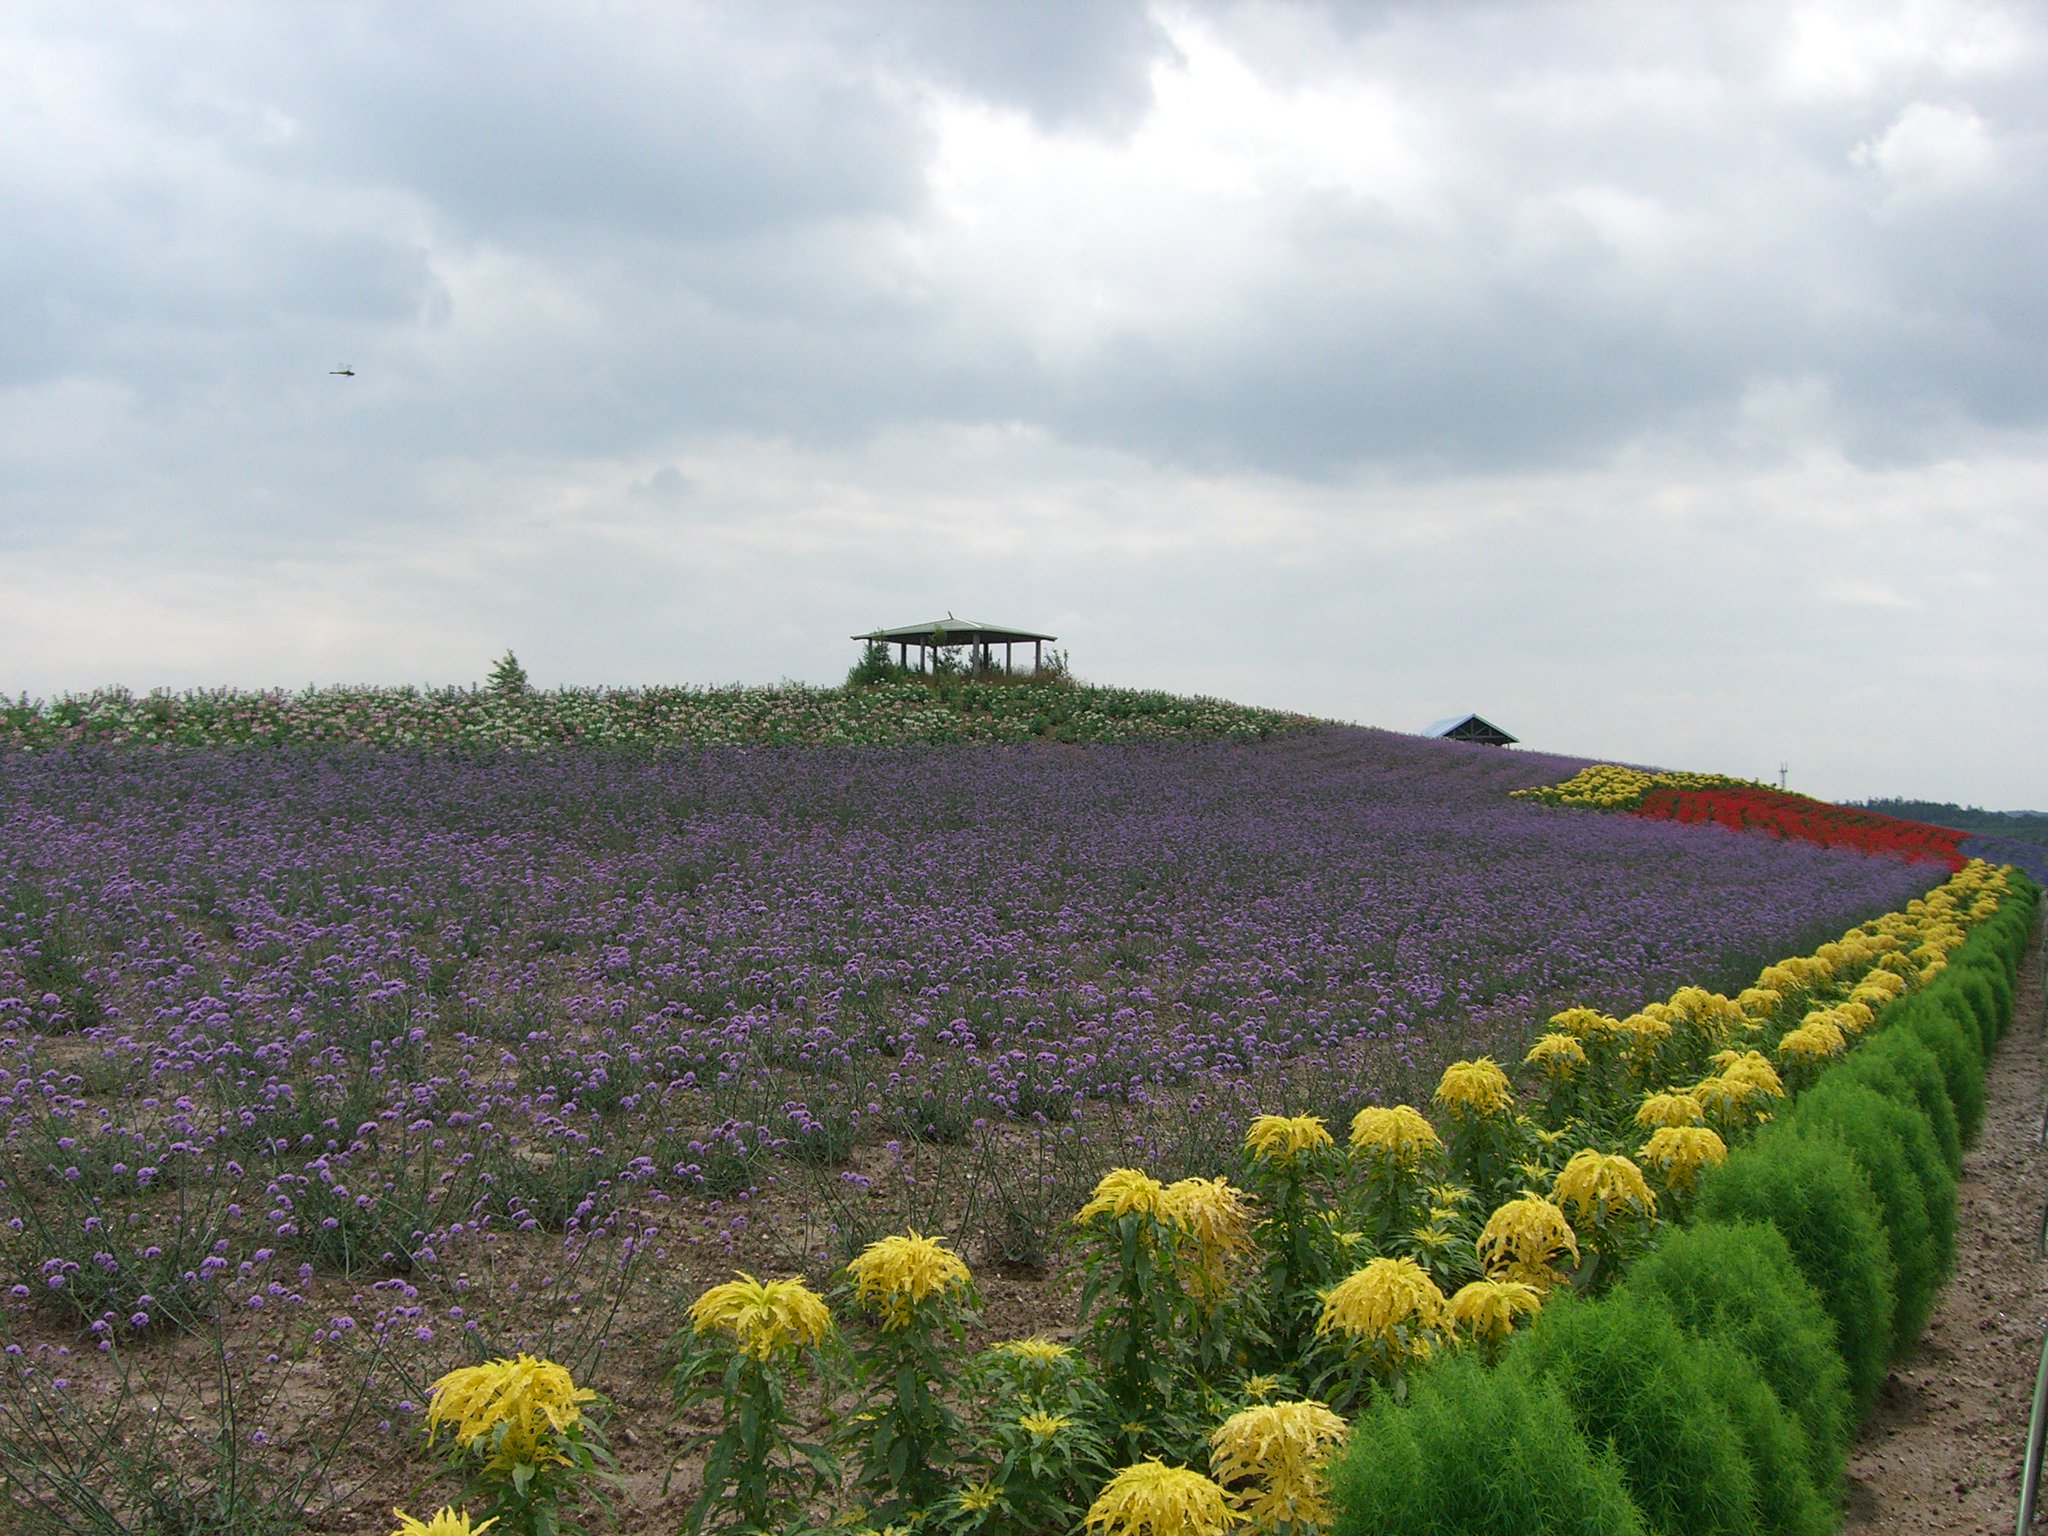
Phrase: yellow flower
(1400, 1135)
(1753, 1068)
(1043, 1426)
(1487, 1309)
(1037, 1349)
(1285, 1448)
(1124, 1191)
(1282, 1138)
(1523, 1238)
(1216, 1216)
(1814, 1041)
(508, 1409)
(1390, 1306)
(1669, 1108)
(1153, 1499)
(1678, 1152)
(1259, 1388)
(1581, 1023)
(976, 1497)
(445, 1522)
(1601, 1186)
(1556, 1055)
(1650, 1026)
(892, 1276)
(1474, 1088)
(1759, 1002)
(765, 1317)
(1725, 1097)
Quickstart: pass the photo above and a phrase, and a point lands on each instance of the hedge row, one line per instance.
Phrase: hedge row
(1718, 1387)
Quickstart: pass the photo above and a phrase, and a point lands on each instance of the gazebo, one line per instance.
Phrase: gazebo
(944, 634)
(1470, 728)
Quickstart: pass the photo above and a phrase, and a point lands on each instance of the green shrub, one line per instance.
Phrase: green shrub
(1476, 1452)
(1788, 1501)
(1895, 1149)
(1737, 1282)
(1970, 983)
(1955, 1050)
(1821, 1203)
(1632, 1380)
(1900, 1066)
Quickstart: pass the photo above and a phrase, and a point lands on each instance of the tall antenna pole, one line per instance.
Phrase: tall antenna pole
(1784, 771)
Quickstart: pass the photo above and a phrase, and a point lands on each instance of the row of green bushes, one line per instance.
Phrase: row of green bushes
(1717, 1389)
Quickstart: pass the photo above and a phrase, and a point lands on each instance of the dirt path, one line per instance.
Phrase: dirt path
(1943, 1451)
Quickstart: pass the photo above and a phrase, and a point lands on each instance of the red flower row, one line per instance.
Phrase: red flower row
(1811, 821)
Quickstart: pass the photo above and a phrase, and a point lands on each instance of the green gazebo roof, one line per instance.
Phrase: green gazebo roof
(952, 631)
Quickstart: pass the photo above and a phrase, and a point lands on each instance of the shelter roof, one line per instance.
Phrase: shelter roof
(956, 632)
(1452, 725)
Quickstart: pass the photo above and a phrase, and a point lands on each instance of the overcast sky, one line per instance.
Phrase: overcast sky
(1666, 382)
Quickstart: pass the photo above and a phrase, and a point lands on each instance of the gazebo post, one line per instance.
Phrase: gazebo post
(1037, 657)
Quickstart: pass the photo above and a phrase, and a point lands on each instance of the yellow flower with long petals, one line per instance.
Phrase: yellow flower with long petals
(1758, 1003)
(1816, 1040)
(1037, 1349)
(1600, 1187)
(1390, 1307)
(1678, 1152)
(1669, 1108)
(1476, 1087)
(1753, 1068)
(1556, 1055)
(1398, 1134)
(1123, 1192)
(1582, 1023)
(1523, 1239)
(1043, 1426)
(1284, 1449)
(507, 1410)
(1216, 1215)
(1487, 1309)
(1282, 1138)
(765, 1317)
(1153, 1499)
(444, 1522)
(893, 1276)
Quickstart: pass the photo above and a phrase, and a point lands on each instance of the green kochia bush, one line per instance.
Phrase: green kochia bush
(1900, 1066)
(1477, 1452)
(1956, 1049)
(1894, 1146)
(1632, 1380)
(1823, 1206)
(1737, 1283)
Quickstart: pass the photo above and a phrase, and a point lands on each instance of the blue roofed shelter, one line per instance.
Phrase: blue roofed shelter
(1470, 728)
(945, 634)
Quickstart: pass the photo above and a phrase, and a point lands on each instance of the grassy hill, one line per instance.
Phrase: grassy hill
(891, 713)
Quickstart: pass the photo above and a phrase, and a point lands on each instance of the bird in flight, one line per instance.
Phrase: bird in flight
(346, 373)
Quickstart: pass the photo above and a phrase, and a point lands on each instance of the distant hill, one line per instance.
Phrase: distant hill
(2024, 826)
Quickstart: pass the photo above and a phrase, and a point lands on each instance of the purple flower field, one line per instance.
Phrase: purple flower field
(431, 1053)
(823, 943)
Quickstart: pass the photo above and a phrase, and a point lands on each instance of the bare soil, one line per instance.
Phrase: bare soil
(1945, 1449)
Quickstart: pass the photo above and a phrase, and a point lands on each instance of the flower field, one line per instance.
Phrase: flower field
(889, 713)
(1741, 806)
(326, 1073)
